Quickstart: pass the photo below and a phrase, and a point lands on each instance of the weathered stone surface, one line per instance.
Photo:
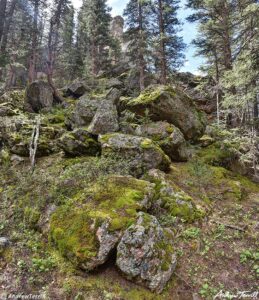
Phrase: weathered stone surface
(145, 253)
(76, 89)
(114, 95)
(38, 96)
(165, 103)
(105, 119)
(79, 142)
(172, 201)
(168, 137)
(87, 232)
(141, 153)
(16, 132)
(85, 111)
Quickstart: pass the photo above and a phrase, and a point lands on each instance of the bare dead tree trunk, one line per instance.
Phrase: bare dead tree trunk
(141, 49)
(34, 142)
(163, 66)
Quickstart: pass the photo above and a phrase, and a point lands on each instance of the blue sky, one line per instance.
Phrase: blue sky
(189, 32)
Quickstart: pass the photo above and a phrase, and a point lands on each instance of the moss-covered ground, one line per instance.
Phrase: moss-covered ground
(217, 252)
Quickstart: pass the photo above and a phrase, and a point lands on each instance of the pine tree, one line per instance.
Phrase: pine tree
(137, 36)
(169, 45)
(94, 34)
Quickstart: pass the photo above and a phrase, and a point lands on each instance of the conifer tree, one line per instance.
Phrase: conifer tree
(138, 35)
(94, 34)
(168, 44)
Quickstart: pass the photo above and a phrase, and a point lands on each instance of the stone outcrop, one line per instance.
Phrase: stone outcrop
(167, 136)
(140, 153)
(145, 253)
(79, 142)
(165, 103)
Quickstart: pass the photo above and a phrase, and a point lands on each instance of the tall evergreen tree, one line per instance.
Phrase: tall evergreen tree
(169, 44)
(137, 15)
(94, 34)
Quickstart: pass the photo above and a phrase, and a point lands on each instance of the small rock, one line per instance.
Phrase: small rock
(4, 242)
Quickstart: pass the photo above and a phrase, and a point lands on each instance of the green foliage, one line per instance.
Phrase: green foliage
(191, 233)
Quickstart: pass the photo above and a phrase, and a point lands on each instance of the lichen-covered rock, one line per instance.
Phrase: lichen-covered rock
(141, 153)
(145, 253)
(13, 99)
(38, 95)
(79, 142)
(171, 200)
(76, 89)
(114, 95)
(165, 103)
(16, 133)
(84, 111)
(167, 136)
(6, 110)
(87, 229)
(105, 119)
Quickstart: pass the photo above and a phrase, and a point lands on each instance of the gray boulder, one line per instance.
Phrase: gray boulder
(76, 89)
(145, 253)
(79, 142)
(38, 96)
(141, 153)
(165, 103)
(105, 119)
(84, 111)
(167, 136)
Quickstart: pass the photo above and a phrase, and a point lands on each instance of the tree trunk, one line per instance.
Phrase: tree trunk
(2, 17)
(7, 26)
(33, 58)
(52, 48)
(163, 66)
(141, 49)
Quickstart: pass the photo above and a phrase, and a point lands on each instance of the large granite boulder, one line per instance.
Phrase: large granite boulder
(167, 136)
(38, 96)
(79, 142)
(145, 253)
(87, 230)
(165, 103)
(141, 153)
(105, 119)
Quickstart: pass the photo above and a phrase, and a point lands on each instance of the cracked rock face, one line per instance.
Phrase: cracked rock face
(145, 254)
(141, 153)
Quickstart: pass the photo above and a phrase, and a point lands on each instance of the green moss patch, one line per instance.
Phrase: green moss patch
(116, 200)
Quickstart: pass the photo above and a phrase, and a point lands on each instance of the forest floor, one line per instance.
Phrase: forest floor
(217, 253)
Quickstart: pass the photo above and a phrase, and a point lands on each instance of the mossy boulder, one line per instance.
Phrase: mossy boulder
(87, 229)
(79, 142)
(16, 132)
(14, 99)
(167, 136)
(172, 201)
(165, 103)
(145, 253)
(38, 96)
(142, 154)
